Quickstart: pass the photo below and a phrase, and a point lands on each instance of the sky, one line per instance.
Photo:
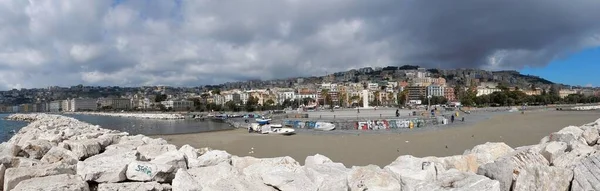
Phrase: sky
(198, 42)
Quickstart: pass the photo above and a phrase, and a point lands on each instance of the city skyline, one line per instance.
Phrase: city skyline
(186, 43)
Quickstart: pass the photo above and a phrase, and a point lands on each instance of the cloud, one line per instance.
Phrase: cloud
(197, 42)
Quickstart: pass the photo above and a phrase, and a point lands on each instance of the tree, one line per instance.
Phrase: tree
(376, 100)
(402, 96)
(251, 103)
(160, 97)
(269, 104)
(216, 91)
(390, 98)
(343, 99)
(324, 94)
(231, 106)
(307, 100)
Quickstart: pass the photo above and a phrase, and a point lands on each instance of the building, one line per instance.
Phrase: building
(115, 103)
(416, 92)
(181, 105)
(55, 106)
(486, 90)
(435, 90)
(287, 95)
(449, 94)
(565, 92)
(66, 105)
(82, 104)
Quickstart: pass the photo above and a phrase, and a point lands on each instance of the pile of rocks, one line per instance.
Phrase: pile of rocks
(60, 153)
(165, 116)
(586, 108)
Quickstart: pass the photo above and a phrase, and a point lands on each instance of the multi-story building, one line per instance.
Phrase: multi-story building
(84, 104)
(435, 90)
(66, 105)
(416, 92)
(219, 99)
(56, 106)
(180, 105)
(115, 103)
(486, 90)
(565, 92)
(287, 95)
(449, 94)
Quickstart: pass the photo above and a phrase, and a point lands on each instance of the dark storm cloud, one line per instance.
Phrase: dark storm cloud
(190, 42)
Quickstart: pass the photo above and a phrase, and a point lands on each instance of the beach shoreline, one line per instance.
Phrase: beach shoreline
(380, 147)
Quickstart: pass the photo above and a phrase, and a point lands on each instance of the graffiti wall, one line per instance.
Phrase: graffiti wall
(364, 125)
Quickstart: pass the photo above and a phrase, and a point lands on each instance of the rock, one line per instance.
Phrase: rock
(328, 176)
(173, 158)
(134, 186)
(185, 182)
(13, 176)
(54, 183)
(316, 159)
(456, 180)
(57, 154)
(151, 141)
(567, 134)
(412, 171)
(371, 177)
(149, 152)
(24, 162)
(507, 168)
(7, 151)
(266, 165)
(464, 163)
(189, 151)
(243, 162)
(590, 134)
(2, 171)
(576, 151)
(587, 174)
(489, 152)
(546, 139)
(225, 177)
(37, 148)
(145, 172)
(125, 144)
(286, 180)
(211, 158)
(541, 177)
(84, 148)
(109, 166)
(553, 150)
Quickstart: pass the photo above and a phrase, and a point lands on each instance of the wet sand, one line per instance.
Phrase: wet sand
(381, 149)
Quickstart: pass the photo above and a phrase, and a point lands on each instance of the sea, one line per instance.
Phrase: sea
(133, 126)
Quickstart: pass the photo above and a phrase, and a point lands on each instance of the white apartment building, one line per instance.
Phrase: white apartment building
(219, 99)
(116, 103)
(81, 104)
(435, 90)
(565, 92)
(244, 97)
(373, 86)
(56, 106)
(282, 96)
(178, 105)
(66, 105)
(486, 91)
(302, 96)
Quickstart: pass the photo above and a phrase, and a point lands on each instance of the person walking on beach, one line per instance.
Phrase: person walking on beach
(452, 119)
(397, 113)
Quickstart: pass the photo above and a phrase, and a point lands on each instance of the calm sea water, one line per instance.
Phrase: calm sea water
(131, 125)
(7, 126)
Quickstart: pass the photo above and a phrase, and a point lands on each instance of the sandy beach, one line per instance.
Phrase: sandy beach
(514, 129)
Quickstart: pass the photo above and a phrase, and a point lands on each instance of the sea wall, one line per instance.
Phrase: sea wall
(375, 124)
(164, 116)
(60, 153)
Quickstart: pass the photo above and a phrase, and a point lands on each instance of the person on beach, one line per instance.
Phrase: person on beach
(452, 119)
(397, 113)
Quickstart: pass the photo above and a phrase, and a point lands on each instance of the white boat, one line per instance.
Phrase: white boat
(276, 126)
(324, 126)
(282, 131)
(263, 121)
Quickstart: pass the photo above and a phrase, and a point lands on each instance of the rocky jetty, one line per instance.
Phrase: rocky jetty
(164, 116)
(55, 152)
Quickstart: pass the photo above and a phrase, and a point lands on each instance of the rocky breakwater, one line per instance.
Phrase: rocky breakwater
(586, 108)
(165, 116)
(60, 153)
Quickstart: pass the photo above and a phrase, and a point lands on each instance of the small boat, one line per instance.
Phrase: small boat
(276, 126)
(263, 121)
(324, 126)
(282, 131)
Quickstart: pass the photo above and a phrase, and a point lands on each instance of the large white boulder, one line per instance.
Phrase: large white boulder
(189, 151)
(541, 177)
(587, 174)
(590, 134)
(145, 172)
(59, 182)
(316, 160)
(553, 150)
(226, 177)
(58, 154)
(84, 148)
(13, 176)
(24, 162)
(2, 171)
(506, 169)
(372, 177)
(126, 144)
(152, 141)
(37, 148)
(134, 186)
(412, 171)
(286, 180)
(211, 158)
(567, 134)
(149, 152)
(267, 165)
(577, 151)
(460, 181)
(328, 176)
(185, 182)
(489, 151)
(109, 166)
(174, 158)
